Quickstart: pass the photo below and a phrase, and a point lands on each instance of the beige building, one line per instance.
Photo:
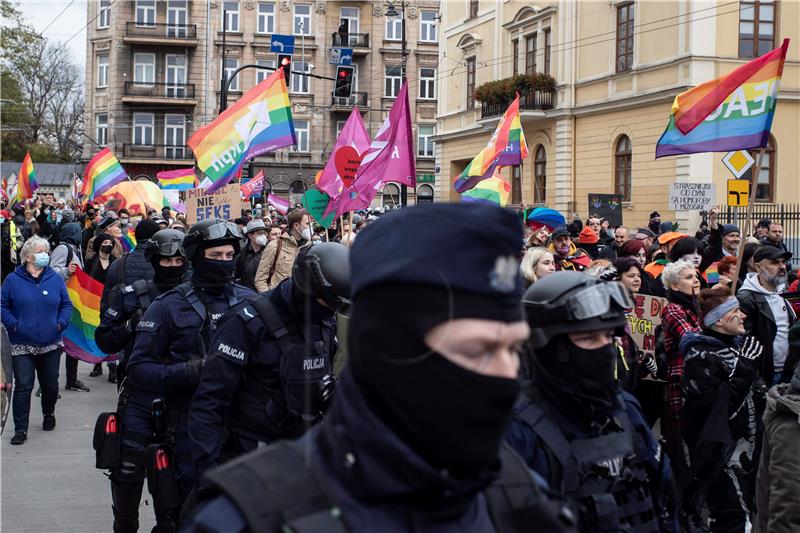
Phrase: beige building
(617, 66)
(136, 32)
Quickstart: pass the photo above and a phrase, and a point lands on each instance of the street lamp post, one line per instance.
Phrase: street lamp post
(391, 13)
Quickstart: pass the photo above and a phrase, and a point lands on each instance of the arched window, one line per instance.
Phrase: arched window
(766, 176)
(424, 194)
(540, 175)
(267, 187)
(391, 195)
(296, 191)
(622, 168)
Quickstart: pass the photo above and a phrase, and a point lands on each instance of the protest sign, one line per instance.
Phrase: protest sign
(644, 318)
(608, 206)
(224, 203)
(316, 202)
(692, 196)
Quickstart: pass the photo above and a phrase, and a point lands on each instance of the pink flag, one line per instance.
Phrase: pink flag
(340, 170)
(253, 186)
(281, 205)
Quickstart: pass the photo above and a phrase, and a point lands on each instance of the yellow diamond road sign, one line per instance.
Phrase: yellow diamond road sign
(738, 162)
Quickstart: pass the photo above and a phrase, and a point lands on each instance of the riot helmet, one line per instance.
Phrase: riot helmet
(322, 270)
(164, 243)
(210, 233)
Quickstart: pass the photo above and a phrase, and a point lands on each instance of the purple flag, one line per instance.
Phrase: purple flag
(340, 170)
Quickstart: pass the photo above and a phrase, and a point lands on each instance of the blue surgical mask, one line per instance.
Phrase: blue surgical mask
(2, 220)
(41, 259)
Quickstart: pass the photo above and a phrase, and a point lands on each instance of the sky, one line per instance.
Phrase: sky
(43, 13)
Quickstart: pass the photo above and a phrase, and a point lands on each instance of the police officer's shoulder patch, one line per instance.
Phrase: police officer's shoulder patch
(127, 289)
(149, 326)
(230, 352)
(111, 312)
(247, 313)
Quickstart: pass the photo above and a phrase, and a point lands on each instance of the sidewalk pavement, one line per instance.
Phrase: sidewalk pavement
(50, 484)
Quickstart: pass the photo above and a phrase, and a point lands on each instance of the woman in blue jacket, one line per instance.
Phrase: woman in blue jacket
(36, 309)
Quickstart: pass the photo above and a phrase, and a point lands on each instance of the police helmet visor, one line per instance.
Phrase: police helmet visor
(590, 302)
(222, 230)
(168, 249)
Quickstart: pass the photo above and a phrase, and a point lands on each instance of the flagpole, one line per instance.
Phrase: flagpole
(747, 225)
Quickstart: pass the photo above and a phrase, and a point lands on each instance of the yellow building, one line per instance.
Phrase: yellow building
(618, 66)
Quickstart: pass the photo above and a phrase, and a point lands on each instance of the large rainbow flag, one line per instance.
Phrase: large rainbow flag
(102, 173)
(182, 179)
(260, 122)
(85, 293)
(26, 180)
(733, 112)
(494, 190)
(506, 147)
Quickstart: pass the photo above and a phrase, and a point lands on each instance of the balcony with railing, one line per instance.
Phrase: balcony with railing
(161, 33)
(355, 41)
(531, 101)
(156, 152)
(360, 99)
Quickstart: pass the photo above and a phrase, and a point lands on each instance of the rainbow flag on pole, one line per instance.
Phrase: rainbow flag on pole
(733, 112)
(182, 179)
(85, 293)
(102, 173)
(128, 240)
(26, 180)
(260, 122)
(494, 190)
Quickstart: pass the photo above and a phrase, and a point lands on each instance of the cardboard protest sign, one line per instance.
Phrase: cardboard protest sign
(644, 318)
(316, 202)
(692, 196)
(224, 203)
(608, 206)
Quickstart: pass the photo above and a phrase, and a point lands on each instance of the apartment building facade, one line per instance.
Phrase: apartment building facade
(617, 68)
(317, 26)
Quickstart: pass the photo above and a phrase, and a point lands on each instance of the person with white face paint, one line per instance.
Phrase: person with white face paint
(687, 249)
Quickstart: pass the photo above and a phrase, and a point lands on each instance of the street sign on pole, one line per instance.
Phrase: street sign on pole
(282, 44)
(341, 56)
(738, 162)
(738, 193)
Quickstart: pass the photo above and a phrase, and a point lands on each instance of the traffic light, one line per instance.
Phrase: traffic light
(343, 87)
(285, 62)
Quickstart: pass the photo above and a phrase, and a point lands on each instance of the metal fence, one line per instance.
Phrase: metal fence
(787, 214)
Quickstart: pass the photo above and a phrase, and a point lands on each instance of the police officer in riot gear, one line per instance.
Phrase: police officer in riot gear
(575, 426)
(268, 371)
(167, 359)
(115, 334)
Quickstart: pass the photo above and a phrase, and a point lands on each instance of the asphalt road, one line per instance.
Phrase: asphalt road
(50, 484)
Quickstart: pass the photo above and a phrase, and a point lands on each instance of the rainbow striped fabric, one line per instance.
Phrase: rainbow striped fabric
(260, 122)
(494, 190)
(182, 179)
(712, 273)
(26, 180)
(733, 112)
(102, 173)
(128, 239)
(85, 293)
(506, 147)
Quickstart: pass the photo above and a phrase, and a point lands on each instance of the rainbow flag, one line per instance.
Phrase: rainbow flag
(711, 274)
(85, 293)
(102, 173)
(494, 190)
(733, 112)
(260, 122)
(128, 240)
(182, 179)
(506, 147)
(26, 180)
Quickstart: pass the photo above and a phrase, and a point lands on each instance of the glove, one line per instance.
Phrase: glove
(649, 363)
(133, 321)
(750, 348)
(194, 367)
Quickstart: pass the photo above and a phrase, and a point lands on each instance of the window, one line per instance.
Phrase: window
(261, 75)
(348, 27)
(174, 136)
(102, 70)
(530, 54)
(143, 128)
(301, 134)
(471, 83)
(624, 37)
(473, 8)
(540, 175)
(144, 69)
(296, 191)
(176, 76)
(425, 144)
(427, 26)
(394, 29)
(302, 20)
(231, 64)
(104, 18)
(515, 56)
(516, 184)
(424, 194)
(756, 27)
(300, 84)
(145, 12)
(266, 18)
(394, 79)
(101, 129)
(339, 127)
(391, 195)
(622, 168)
(176, 19)
(230, 14)
(547, 51)
(427, 83)
(766, 175)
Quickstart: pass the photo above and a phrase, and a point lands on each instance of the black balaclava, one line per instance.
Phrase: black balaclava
(167, 278)
(454, 418)
(212, 275)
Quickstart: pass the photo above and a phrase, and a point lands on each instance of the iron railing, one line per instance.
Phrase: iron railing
(159, 90)
(356, 99)
(787, 214)
(156, 151)
(534, 100)
(350, 40)
(161, 30)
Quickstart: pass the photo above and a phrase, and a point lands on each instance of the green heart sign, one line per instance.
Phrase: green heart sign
(316, 202)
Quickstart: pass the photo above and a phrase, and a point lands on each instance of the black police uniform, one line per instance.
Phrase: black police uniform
(241, 389)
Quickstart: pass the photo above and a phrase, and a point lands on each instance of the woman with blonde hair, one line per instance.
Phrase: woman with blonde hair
(536, 263)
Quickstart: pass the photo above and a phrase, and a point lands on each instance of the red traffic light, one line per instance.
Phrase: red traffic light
(285, 61)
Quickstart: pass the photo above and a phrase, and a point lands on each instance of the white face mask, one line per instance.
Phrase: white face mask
(261, 240)
(306, 234)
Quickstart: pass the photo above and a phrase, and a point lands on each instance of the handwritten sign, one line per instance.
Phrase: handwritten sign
(692, 196)
(225, 203)
(644, 318)
(608, 206)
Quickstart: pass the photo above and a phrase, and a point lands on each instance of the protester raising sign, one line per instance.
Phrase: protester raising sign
(226, 204)
(644, 319)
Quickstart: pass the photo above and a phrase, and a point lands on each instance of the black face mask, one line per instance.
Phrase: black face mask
(106, 248)
(594, 371)
(317, 312)
(167, 278)
(212, 274)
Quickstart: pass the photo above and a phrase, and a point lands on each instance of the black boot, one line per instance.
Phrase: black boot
(112, 372)
(126, 492)
(96, 371)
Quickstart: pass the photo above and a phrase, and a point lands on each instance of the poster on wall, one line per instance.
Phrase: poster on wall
(608, 206)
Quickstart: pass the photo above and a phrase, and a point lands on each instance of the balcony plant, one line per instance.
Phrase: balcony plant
(498, 92)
